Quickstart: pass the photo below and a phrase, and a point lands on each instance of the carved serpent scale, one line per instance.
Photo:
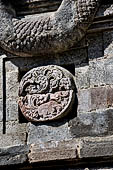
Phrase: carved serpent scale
(43, 34)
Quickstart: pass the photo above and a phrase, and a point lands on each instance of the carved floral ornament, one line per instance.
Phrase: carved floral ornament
(42, 34)
(46, 93)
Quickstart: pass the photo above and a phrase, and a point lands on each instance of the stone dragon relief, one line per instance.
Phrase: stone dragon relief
(43, 34)
(46, 93)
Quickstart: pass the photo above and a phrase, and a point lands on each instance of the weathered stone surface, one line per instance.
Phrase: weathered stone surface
(75, 56)
(46, 93)
(15, 134)
(78, 57)
(34, 6)
(84, 100)
(109, 71)
(82, 77)
(13, 155)
(95, 98)
(98, 123)
(10, 66)
(56, 131)
(98, 98)
(97, 73)
(110, 96)
(12, 85)
(45, 34)
(108, 43)
(73, 150)
(12, 139)
(96, 147)
(11, 110)
(77, 138)
(15, 127)
(95, 46)
(100, 72)
(62, 151)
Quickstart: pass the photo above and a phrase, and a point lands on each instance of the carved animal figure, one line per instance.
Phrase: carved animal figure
(43, 34)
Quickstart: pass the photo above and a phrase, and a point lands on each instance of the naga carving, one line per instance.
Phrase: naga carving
(43, 34)
(46, 93)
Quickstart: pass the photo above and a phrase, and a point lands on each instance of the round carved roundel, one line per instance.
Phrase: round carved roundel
(46, 93)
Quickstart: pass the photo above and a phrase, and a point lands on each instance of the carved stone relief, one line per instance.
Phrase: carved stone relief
(46, 93)
(35, 35)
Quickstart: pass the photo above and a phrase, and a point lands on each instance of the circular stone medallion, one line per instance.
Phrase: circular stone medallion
(46, 93)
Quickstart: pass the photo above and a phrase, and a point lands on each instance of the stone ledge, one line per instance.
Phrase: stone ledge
(96, 147)
(76, 149)
(13, 155)
(62, 151)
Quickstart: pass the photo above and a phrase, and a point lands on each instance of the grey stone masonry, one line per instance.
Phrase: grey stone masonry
(82, 139)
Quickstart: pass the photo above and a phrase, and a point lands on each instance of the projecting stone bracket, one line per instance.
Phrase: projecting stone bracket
(75, 150)
(71, 152)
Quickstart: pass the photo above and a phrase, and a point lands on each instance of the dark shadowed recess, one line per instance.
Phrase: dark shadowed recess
(27, 7)
(106, 2)
(85, 164)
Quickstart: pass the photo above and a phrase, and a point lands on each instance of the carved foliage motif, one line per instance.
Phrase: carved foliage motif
(46, 93)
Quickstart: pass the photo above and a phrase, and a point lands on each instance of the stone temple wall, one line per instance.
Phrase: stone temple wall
(83, 139)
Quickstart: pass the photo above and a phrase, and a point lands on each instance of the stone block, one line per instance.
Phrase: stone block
(109, 71)
(84, 100)
(56, 131)
(95, 46)
(98, 98)
(13, 139)
(97, 74)
(13, 155)
(10, 66)
(109, 92)
(73, 150)
(96, 147)
(13, 127)
(15, 134)
(92, 124)
(12, 85)
(62, 151)
(13, 160)
(82, 77)
(11, 110)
